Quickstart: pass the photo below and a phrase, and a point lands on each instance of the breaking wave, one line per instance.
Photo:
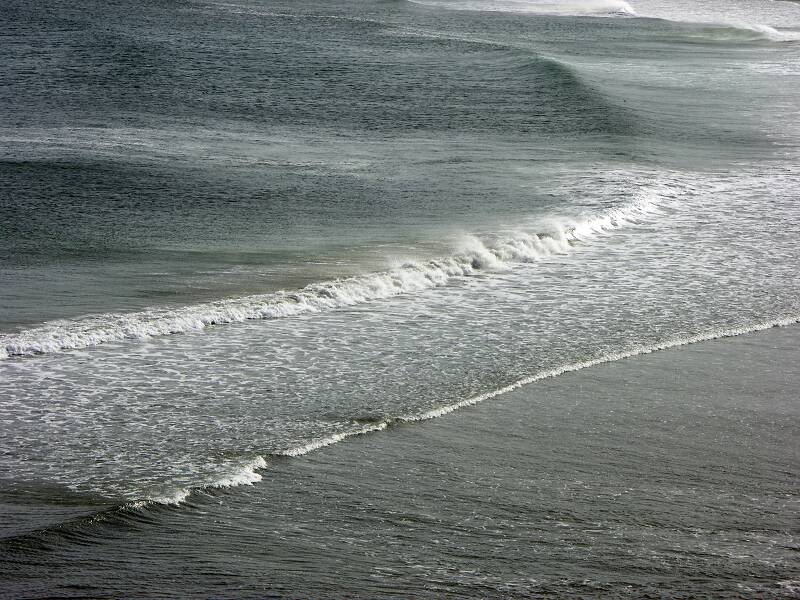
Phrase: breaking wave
(759, 31)
(477, 255)
(248, 473)
(544, 7)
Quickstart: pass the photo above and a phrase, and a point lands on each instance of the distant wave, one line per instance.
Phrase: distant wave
(719, 29)
(732, 32)
(544, 7)
(717, 20)
(477, 255)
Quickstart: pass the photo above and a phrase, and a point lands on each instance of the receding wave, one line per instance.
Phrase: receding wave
(544, 7)
(477, 255)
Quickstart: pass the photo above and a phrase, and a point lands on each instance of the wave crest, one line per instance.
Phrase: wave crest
(760, 31)
(543, 7)
(244, 474)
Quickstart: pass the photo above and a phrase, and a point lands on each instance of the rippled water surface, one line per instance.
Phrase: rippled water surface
(235, 233)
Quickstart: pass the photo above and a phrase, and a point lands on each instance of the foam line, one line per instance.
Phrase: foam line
(332, 439)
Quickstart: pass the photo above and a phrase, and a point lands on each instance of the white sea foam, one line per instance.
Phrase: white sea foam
(242, 474)
(246, 474)
(476, 254)
(173, 499)
(548, 7)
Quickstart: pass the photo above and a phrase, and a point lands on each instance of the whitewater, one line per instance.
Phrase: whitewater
(430, 298)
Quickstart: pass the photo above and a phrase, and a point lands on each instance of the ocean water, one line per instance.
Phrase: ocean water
(235, 234)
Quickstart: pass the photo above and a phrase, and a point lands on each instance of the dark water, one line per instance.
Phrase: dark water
(234, 233)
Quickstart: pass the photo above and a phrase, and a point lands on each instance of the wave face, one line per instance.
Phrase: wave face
(478, 255)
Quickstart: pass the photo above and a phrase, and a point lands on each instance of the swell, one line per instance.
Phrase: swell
(143, 512)
(478, 255)
(764, 32)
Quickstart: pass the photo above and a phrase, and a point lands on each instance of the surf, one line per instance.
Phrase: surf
(574, 8)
